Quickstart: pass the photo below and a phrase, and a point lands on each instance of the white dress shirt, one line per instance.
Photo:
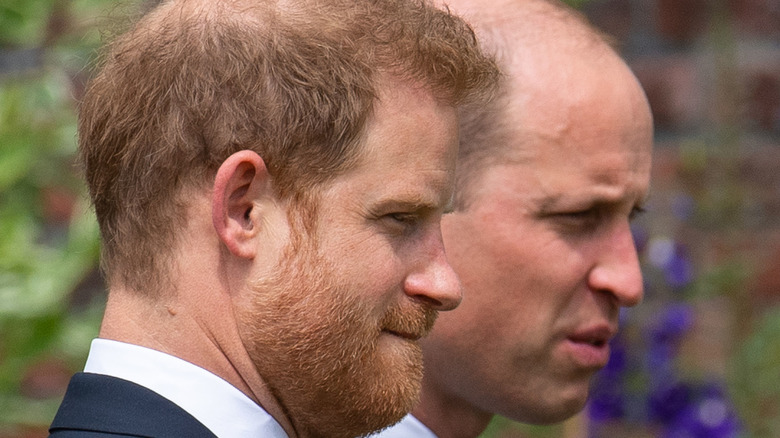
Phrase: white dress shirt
(408, 427)
(220, 406)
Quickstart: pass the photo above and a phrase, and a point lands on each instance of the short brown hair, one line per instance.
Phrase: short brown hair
(194, 81)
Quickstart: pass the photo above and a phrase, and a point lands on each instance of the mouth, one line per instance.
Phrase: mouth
(589, 348)
(409, 336)
(409, 325)
(597, 336)
(594, 342)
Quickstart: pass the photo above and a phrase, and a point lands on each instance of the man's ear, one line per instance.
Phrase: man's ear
(241, 180)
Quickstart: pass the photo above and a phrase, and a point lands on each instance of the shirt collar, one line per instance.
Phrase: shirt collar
(220, 406)
(408, 427)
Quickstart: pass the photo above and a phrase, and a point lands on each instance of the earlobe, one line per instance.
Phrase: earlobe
(240, 181)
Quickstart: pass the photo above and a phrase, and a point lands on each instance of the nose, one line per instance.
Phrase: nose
(432, 280)
(617, 271)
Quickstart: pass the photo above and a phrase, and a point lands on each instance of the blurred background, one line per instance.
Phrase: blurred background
(700, 358)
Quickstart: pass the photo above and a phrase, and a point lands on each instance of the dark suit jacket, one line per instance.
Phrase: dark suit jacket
(98, 406)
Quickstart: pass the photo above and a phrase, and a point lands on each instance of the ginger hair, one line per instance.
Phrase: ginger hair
(194, 81)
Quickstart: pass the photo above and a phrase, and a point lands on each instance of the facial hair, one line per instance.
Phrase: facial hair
(322, 351)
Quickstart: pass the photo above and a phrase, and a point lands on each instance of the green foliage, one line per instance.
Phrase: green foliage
(501, 427)
(23, 22)
(49, 235)
(576, 3)
(756, 379)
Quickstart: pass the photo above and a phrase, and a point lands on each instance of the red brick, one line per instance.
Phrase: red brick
(681, 21)
(673, 88)
(759, 18)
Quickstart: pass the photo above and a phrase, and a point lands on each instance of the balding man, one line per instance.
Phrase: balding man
(549, 177)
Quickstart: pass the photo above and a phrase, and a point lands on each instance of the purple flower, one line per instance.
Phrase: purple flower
(607, 399)
(673, 259)
(672, 325)
(668, 400)
(660, 361)
(665, 335)
(606, 402)
(679, 268)
(708, 416)
(618, 358)
(688, 410)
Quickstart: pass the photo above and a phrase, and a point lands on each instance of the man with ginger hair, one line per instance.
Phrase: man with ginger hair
(549, 176)
(269, 179)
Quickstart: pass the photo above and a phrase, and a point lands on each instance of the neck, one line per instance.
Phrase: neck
(448, 415)
(173, 327)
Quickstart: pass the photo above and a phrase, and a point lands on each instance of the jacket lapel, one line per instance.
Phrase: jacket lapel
(99, 403)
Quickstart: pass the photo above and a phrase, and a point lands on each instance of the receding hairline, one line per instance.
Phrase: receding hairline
(520, 34)
(513, 28)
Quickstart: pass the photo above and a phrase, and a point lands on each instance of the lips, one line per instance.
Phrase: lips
(589, 347)
(405, 335)
(410, 324)
(596, 336)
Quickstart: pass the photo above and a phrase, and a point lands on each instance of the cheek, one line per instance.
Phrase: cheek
(371, 270)
(532, 255)
(520, 277)
(496, 262)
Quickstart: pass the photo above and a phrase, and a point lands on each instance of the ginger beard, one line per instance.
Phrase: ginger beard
(318, 345)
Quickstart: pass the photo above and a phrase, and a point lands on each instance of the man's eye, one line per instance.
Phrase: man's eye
(402, 223)
(577, 220)
(579, 215)
(403, 218)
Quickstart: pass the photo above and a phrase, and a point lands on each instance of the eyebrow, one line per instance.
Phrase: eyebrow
(405, 204)
(599, 200)
(412, 202)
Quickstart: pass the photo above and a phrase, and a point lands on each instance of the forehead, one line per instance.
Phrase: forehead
(577, 130)
(408, 148)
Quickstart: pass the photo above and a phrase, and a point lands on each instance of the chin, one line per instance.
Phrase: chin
(564, 412)
(549, 411)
